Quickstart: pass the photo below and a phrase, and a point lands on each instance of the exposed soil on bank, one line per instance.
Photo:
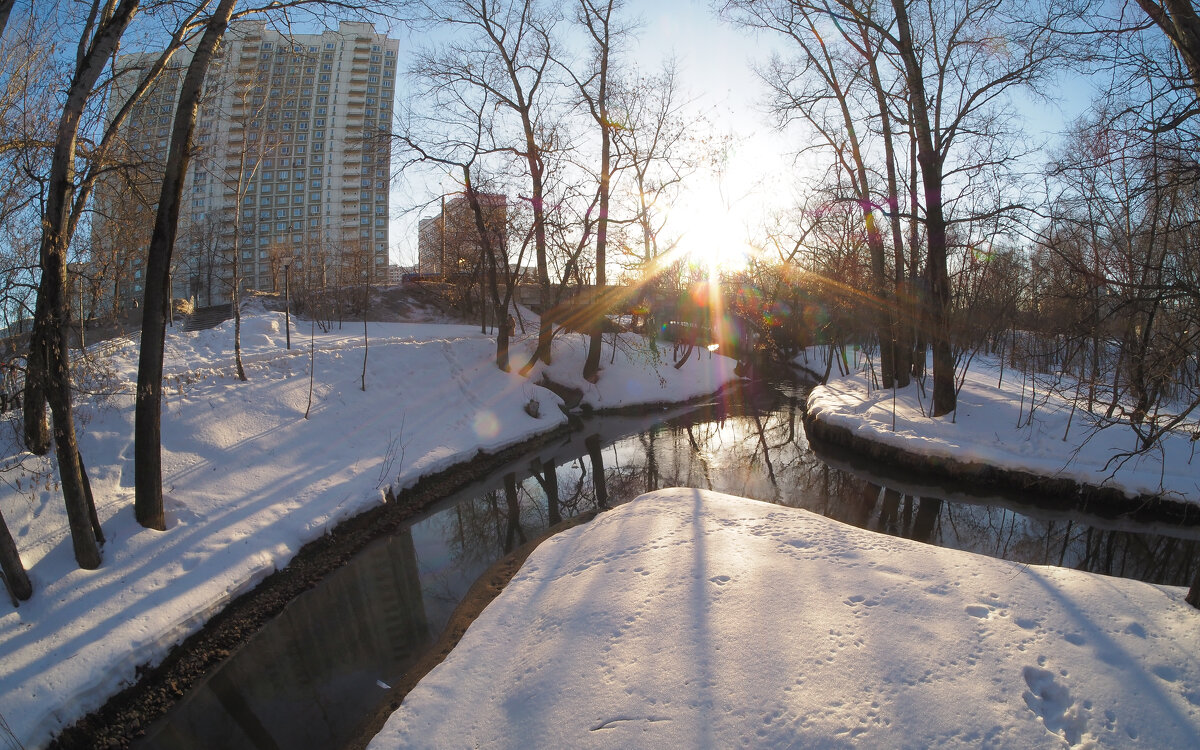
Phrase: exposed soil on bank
(1060, 493)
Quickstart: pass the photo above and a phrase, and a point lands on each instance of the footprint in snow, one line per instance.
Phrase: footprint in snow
(1051, 700)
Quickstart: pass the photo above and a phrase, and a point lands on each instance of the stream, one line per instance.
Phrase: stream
(317, 672)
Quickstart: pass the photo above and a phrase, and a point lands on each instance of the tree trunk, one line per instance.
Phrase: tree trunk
(1193, 594)
(366, 342)
(598, 23)
(944, 394)
(1179, 21)
(900, 338)
(148, 500)
(504, 330)
(33, 400)
(15, 577)
(48, 365)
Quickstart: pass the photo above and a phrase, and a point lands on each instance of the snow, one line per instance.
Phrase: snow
(613, 390)
(992, 426)
(248, 480)
(688, 618)
(684, 617)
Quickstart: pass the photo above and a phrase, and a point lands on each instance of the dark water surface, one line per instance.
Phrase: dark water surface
(311, 677)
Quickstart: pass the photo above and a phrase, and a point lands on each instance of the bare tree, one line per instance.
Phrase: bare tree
(594, 88)
(47, 376)
(953, 90)
(148, 500)
(505, 49)
(657, 138)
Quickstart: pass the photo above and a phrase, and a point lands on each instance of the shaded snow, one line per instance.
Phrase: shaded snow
(693, 619)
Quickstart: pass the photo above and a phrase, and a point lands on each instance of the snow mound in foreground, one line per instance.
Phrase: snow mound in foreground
(693, 619)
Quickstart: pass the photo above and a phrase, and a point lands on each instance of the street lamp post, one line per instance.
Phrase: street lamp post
(287, 304)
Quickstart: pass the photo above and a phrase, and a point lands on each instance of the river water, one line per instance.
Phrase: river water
(312, 676)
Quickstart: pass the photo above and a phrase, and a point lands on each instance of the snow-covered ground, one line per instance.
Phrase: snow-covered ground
(993, 426)
(248, 480)
(693, 619)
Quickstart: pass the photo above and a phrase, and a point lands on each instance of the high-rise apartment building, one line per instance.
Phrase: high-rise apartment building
(290, 166)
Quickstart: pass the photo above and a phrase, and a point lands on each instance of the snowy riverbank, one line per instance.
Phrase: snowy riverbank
(248, 480)
(692, 619)
(995, 431)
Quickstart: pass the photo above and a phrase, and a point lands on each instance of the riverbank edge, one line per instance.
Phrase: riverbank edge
(1060, 493)
(125, 715)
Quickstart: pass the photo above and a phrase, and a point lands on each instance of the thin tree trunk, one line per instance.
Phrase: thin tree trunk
(312, 361)
(366, 342)
(598, 22)
(148, 499)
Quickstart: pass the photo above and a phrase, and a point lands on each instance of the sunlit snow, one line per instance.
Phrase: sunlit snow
(693, 619)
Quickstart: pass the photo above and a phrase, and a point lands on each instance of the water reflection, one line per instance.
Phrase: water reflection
(312, 676)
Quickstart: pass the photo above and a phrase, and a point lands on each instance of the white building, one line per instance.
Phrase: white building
(291, 159)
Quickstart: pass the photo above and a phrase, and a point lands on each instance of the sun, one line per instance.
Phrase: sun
(712, 232)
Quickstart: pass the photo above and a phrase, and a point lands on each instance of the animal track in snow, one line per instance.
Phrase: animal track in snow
(1051, 700)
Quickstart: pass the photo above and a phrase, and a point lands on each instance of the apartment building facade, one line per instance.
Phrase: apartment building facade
(290, 168)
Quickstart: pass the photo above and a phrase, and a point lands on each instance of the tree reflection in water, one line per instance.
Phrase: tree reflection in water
(751, 442)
